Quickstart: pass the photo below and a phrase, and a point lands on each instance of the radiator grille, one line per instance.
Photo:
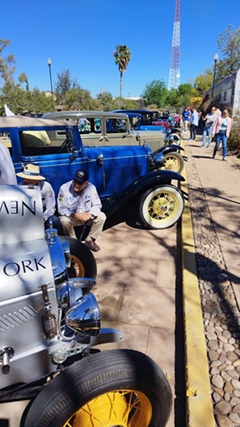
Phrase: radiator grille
(11, 320)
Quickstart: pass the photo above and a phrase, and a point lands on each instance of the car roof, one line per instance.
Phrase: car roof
(142, 111)
(83, 114)
(22, 121)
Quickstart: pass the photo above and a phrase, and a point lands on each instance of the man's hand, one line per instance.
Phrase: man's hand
(82, 216)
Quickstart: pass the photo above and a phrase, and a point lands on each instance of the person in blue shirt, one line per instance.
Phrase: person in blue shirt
(186, 116)
(194, 119)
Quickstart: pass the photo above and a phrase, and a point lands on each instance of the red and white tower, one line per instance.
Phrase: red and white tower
(174, 73)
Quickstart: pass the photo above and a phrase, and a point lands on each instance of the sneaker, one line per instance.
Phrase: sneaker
(224, 158)
(92, 245)
(189, 139)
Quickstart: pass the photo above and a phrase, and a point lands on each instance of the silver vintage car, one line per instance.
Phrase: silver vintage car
(108, 128)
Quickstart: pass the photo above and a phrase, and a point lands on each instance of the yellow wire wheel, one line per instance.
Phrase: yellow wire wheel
(123, 408)
(174, 162)
(161, 207)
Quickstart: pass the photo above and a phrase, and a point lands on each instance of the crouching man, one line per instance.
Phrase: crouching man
(79, 204)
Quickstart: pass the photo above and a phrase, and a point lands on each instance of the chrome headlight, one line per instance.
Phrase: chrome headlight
(158, 160)
(84, 316)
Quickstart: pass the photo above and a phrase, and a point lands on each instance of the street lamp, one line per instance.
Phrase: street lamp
(214, 72)
(49, 61)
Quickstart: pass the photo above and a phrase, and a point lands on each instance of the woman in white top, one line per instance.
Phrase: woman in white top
(222, 128)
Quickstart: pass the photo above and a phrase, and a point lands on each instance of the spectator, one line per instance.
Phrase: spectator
(193, 123)
(79, 204)
(209, 121)
(31, 177)
(218, 111)
(222, 128)
(7, 172)
(186, 116)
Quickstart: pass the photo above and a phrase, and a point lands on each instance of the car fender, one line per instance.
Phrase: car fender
(170, 148)
(138, 187)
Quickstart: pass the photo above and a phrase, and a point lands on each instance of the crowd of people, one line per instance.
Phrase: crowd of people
(215, 126)
(77, 203)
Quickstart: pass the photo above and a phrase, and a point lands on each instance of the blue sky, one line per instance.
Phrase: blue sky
(82, 35)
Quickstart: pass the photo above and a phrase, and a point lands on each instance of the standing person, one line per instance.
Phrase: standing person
(218, 111)
(209, 121)
(7, 171)
(79, 204)
(185, 117)
(31, 177)
(222, 128)
(193, 123)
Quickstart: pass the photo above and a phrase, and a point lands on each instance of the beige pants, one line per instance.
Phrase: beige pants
(96, 224)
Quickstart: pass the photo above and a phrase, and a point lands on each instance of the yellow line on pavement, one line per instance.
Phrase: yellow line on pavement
(198, 391)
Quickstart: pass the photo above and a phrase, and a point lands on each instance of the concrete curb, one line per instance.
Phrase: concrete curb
(199, 408)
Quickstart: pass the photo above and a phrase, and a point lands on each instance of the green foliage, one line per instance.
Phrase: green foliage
(6, 64)
(19, 100)
(155, 93)
(78, 98)
(104, 101)
(228, 43)
(122, 56)
(64, 84)
(23, 79)
(203, 82)
(234, 138)
(185, 89)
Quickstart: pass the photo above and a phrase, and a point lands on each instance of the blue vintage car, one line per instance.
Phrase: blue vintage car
(147, 120)
(125, 176)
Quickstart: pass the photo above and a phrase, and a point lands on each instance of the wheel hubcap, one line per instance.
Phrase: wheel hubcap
(172, 163)
(161, 206)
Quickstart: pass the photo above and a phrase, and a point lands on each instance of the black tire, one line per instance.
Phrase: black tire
(174, 162)
(161, 207)
(113, 388)
(83, 262)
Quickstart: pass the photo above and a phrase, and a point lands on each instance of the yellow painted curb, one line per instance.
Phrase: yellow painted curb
(199, 405)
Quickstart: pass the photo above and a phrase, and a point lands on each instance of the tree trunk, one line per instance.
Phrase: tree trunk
(121, 84)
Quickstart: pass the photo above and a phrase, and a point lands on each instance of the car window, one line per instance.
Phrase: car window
(116, 125)
(37, 142)
(89, 125)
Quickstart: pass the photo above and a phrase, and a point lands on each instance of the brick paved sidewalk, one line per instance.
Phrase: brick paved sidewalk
(215, 201)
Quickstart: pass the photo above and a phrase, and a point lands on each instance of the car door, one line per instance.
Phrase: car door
(59, 154)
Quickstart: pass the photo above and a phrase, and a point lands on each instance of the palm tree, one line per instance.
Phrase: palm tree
(122, 57)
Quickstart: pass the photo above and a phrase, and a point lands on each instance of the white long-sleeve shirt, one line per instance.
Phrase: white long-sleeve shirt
(7, 172)
(70, 202)
(48, 198)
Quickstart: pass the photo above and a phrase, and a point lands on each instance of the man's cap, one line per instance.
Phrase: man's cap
(81, 176)
(31, 172)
